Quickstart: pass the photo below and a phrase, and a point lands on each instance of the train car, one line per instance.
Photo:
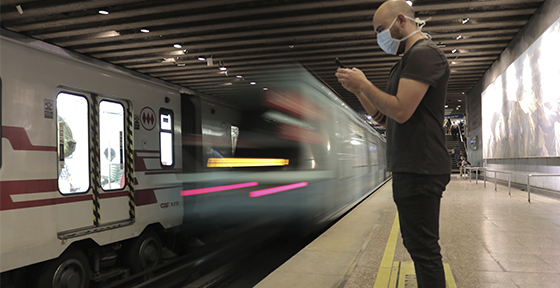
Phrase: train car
(99, 163)
(83, 144)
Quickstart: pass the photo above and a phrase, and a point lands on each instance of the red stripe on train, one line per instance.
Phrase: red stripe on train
(20, 141)
(8, 188)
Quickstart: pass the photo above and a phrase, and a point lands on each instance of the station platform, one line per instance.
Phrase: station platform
(488, 239)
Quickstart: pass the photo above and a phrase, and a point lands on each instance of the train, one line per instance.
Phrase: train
(100, 164)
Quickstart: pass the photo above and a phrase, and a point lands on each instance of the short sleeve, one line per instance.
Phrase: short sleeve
(424, 64)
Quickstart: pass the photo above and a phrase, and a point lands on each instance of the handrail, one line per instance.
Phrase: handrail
(509, 173)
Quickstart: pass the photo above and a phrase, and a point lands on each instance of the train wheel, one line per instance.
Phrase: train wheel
(70, 270)
(144, 252)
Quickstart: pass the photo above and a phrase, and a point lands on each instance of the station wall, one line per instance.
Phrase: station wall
(539, 23)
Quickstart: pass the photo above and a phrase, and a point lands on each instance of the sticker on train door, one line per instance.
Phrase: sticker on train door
(148, 118)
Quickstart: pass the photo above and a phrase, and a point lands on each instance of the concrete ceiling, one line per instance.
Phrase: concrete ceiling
(246, 35)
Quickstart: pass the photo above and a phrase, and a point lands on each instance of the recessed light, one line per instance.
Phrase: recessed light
(144, 30)
(178, 46)
(239, 76)
(223, 68)
(460, 100)
(253, 83)
(446, 106)
(265, 88)
(103, 12)
(201, 59)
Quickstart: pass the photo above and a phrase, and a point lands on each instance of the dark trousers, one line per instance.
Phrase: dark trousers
(418, 203)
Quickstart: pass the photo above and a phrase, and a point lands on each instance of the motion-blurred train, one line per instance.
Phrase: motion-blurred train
(99, 164)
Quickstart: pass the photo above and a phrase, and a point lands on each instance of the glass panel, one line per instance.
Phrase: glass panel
(111, 145)
(166, 144)
(165, 122)
(73, 148)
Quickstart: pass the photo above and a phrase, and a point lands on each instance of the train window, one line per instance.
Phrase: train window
(73, 143)
(166, 137)
(234, 137)
(111, 145)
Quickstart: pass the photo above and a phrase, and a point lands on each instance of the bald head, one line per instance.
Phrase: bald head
(388, 11)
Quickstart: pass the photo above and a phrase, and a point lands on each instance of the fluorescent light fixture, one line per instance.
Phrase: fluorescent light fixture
(246, 162)
(264, 192)
(253, 83)
(217, 189)
(144, 30)
(201, 59)
(409, 2)
(178, 46)
(103, 12)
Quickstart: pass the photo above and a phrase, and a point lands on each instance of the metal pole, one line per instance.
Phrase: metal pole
(509, 185)
(477, 176)
(528, 188)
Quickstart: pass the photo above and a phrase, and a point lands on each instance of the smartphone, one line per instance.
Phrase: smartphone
(338, 63)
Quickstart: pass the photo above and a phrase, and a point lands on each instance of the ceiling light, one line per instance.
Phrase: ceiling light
(459, 100)
(465, 20)
(144, 30)
(453, 62)
(19, 10)
(459, 37)
(201, 59)
(223, 68)
(103, 12)
(446, 106)
(185, 51)
(463, 93)
(409, 2)
(454, 51)
(291, 46)
(253, 83)
(180, 64)
(178, 46)
(239, 76)
(265, 88)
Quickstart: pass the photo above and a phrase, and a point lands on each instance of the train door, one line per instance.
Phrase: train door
(92, 134)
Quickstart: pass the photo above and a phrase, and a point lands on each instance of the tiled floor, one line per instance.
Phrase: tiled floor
(489, 239)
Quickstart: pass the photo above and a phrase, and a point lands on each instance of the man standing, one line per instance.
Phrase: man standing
(413, 108)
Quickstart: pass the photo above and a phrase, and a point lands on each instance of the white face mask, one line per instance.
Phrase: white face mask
(390, 45)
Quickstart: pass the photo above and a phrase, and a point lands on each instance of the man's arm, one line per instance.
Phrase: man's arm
(399, 107)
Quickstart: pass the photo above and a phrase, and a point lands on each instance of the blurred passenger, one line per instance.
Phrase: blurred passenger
(448, 127)
(414, 107)
(454, 131)
(464, 164)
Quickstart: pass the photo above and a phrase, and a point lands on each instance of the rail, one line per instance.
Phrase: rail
(509, 173)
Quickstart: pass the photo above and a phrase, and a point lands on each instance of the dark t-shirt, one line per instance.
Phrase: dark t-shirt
(418, 145)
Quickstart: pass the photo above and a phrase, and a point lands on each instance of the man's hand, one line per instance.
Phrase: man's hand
(351, 79)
